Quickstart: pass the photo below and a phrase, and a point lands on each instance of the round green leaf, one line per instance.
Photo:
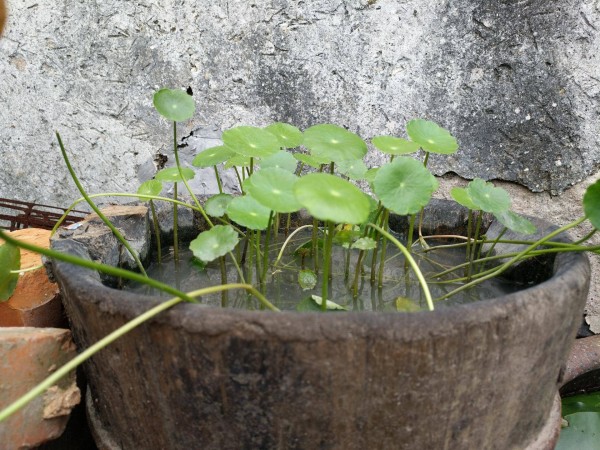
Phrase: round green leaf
(307, 279)
(394, 146)
(274, 188)
(311, 160)
(462, 197)
(365, 243)
(370, 174)
(515, 222)
(333, 142)
(216, 206)
(282, 160)
(431, 137)
(252, 142)
(237, 161)
(288, 135)
(213, 243)
(171, 174)
(249, 213)
(150, 187)
(487, 197)
(591, 204)
(404, 185)
(353, 169)
(10, 259)
(174, 104)
(213, 156)
(328, 197)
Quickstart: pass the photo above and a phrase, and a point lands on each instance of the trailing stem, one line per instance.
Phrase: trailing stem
(112, 337)
(87, 198)
(525, 253)
(413, 264)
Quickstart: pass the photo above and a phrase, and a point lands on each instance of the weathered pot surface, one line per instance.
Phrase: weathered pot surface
(482, 375)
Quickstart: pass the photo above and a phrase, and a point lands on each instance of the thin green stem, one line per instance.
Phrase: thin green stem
(187, 186)
(218, 178)
(87, 198)
(285, 243)
(411, 261)
(327, 264)
(112, 337)
(156, 232)
(175, 226)
(513, 260)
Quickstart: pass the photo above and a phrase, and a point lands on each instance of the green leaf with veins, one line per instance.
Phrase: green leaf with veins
(288, 135)
(488, 197)
(213, 156)
(216, 206)
(334, 142)
(274, 189)
(327, 197)
(404, 185)
(251, 142)
(431, 137)
(395, 146)
(171, 174)
(281, 160)
(174, 104)
(249, 213)
(213, 243)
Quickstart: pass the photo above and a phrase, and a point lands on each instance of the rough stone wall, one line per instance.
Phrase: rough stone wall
(517, 81)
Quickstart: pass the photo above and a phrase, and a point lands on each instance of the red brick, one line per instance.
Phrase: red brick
(29, 355)
(36, 300)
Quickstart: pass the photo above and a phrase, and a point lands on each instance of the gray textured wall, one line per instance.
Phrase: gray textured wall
(518, 83)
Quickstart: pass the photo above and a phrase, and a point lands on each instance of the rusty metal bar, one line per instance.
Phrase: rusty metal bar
(16, 214)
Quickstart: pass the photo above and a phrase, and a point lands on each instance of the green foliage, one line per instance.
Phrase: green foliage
(213, 243)
(404, 185)
(150, 187)
(591, 204)
(274, 188)
(307, 279)
(10, 260)
(213, 156)
(515, 222)
(249, 213)
(462, 197)
(281, 160)
(174, 104)
(395, 146)
(431, 137)
(171, 174)
(216, 206)
(327, 197)
(288, 135)
(251, 142)
(334, 143)
(487, 197)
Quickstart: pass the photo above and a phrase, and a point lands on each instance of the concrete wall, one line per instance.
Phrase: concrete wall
(517, 82)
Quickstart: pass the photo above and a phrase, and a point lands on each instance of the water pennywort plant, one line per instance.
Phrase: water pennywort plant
(282, 171)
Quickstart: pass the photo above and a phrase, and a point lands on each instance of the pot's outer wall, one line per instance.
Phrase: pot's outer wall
(471, 377)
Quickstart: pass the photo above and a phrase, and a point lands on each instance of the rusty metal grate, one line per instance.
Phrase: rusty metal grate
(15, 214)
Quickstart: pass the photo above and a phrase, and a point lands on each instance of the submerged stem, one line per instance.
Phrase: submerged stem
(327, 264)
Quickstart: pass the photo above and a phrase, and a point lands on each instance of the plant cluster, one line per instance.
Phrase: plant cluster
(282, 170)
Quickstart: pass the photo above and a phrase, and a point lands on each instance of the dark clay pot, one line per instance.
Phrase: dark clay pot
(477, 376)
